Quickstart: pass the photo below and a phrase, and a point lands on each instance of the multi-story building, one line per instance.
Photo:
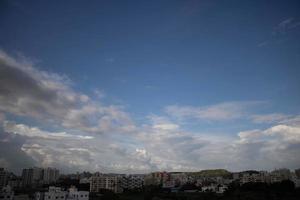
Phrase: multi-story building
(108, 182)
(4, 175)
(131, 182)
(280, 175)
(179, 178)
(32, 177)
(74, 194)
(157, 178)
(6, 193)
(35, 176)
(50, 175)
(15, 182)
(55, 193)
(253, 177)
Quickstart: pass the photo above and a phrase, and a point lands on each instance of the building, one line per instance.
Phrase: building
(157, 178)
(280, 175)
(131, 182)
(15, 182)
(84, 180)
(32, 177)
(221, 188)
(107, 182)
(6, 193)
(253, 177)
(209, 188)
(39, 196)
(4, 176)
(55, 193)
(179, 178)
(74, 194)
(50, 175)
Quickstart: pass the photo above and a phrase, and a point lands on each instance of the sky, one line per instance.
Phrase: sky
(140, 86)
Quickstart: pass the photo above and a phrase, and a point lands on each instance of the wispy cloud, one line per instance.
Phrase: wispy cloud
(280, 31)
(270, 118)
(286, 25)
(24, 130)
(218, 112)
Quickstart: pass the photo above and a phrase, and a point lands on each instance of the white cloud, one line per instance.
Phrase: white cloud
(162, 123)
(158, 144)
(217, 112)
(286, 25)
(29, 92)
(164, 149)
(269, 118)
(2, 117)
(24, 130)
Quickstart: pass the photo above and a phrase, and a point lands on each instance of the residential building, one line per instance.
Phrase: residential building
(131, 182)
(55, 193)
(6, 193)
(221, 188)
(108, 182)
(74, 194)
(157, 178)
(32, 177)
(209, 188)
(252, 177)
(15, 182)
(4, 175)
(50, 175)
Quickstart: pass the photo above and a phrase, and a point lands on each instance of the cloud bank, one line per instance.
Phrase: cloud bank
(86, 134)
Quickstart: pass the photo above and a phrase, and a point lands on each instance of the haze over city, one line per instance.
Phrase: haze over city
(143, 86)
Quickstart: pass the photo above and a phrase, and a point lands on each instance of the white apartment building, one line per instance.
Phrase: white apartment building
(74, 194)
(55, 193)
(209, 188)
(108, 182)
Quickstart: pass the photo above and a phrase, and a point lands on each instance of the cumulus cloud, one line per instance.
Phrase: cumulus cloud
(25, 91)
(29, 92)
(159, 143)
(155, 148)
(275, 146)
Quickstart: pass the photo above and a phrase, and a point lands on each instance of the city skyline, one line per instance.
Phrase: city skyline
(143, 86)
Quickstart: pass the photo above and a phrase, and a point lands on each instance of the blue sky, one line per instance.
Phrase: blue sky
(208, 69)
